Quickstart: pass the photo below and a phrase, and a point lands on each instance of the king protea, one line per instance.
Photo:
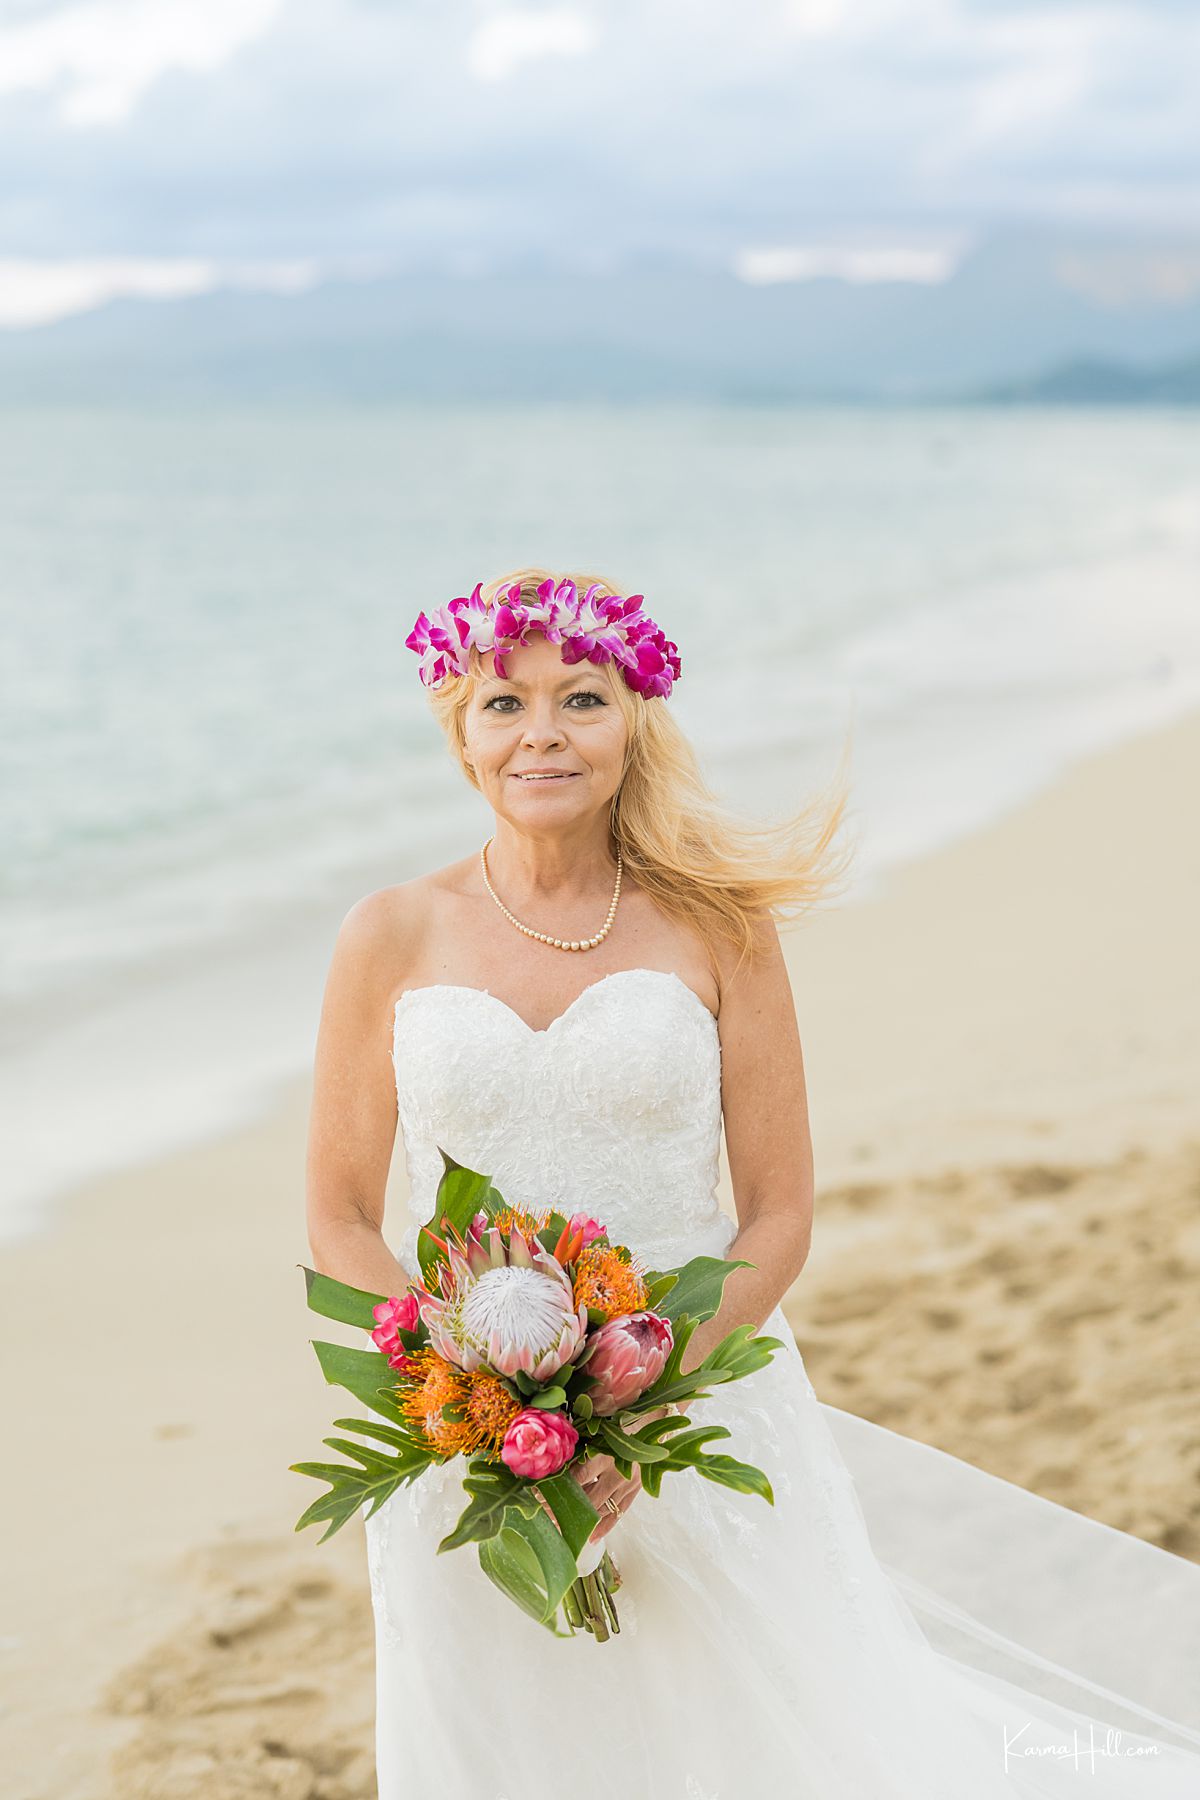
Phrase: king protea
(510, 1306)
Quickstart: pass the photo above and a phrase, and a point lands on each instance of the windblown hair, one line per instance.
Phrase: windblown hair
(700, 864)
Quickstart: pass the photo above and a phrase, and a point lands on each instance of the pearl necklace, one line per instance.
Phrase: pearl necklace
(542, 936)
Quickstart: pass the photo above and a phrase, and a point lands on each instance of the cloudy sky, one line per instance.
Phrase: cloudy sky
(169, 146)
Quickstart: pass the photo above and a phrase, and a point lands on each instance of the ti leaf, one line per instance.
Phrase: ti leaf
(363, 1373)
(576, 1516)
(334, 1300)
(509, 1560)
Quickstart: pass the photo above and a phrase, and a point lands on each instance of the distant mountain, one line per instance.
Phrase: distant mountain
(1095, 382)
(650, 333)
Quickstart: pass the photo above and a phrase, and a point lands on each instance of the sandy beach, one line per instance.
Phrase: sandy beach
(1003, 1054)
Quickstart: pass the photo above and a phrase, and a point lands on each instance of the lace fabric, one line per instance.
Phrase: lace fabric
(764, 1649)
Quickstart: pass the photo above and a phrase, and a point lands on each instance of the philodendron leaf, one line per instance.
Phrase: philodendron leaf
(698, 1287)
(740, 1353)
(631, 1445)
(492, 1487)
(334, 1300)
(480, 1519)
(349, 1489)
(395, 1435)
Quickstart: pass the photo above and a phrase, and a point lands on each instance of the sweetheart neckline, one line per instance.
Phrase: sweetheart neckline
(457, 987)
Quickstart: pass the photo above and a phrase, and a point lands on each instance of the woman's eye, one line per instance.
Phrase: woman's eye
(578, 694)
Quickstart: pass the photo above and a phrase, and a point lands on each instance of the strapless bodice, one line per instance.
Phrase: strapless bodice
(614, 1109)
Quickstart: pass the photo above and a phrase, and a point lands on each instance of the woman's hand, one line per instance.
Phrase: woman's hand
(601, 1481)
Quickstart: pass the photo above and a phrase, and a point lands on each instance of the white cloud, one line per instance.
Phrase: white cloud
(892, 262)
(99, 57)
(786, 138)
(37, 293)
(499, 46)
(814, 18)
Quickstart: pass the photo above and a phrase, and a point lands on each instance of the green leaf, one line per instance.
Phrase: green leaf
(686, 1448)
(491, 1491)
(461, 1193)
(363, 1373)
(551, 1231)
(349, 1489)
(742, 1476)
(387, 1434)
(550, 1396)
(577, 1517)
(334, 1300)
(741, 1352)
(555, 1560)
(657, 1287)
(698, 1289)
(582, 1406)
(631, 1445)
(509, 1561)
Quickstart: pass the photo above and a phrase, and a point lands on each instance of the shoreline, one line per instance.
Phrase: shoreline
(1003, 1052)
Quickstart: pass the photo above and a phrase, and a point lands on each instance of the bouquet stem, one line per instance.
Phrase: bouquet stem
(588, 1602)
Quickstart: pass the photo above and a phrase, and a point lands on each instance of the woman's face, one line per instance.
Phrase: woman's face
(545, 714)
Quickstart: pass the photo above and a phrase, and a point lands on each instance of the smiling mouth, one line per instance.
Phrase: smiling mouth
(567, 775)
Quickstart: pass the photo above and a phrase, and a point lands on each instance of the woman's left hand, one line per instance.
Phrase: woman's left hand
(601, 1481)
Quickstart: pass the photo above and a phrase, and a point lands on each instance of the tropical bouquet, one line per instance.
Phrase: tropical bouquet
(531, 1343)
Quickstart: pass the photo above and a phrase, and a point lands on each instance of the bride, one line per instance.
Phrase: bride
(574, 1011)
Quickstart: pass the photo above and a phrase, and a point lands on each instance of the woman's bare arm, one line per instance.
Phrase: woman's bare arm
(768, 1143)
(352, 1121)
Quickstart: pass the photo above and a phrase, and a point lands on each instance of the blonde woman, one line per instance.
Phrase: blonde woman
(576, 1008)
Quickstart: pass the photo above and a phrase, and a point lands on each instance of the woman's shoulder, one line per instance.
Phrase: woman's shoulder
(390, 925)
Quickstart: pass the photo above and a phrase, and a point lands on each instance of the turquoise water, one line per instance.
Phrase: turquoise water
(213, 735)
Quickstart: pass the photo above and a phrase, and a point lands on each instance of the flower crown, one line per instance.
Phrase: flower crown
(595, 626)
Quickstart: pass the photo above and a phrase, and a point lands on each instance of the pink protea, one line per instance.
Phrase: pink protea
(511, 1307)
(394, 1317)
(539, 1443)
(625, 1357)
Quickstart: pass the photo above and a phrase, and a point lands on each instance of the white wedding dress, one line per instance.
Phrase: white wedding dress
(898, 1625)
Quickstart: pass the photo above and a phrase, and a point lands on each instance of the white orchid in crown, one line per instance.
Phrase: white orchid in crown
(511, 1305)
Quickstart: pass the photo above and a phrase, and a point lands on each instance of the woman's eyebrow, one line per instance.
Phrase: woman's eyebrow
(503, 681)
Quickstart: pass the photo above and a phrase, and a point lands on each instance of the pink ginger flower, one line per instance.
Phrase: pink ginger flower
(629, 1354)
(394, 1317)
(539, 1443)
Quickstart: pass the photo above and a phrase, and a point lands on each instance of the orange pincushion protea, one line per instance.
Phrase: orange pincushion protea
(603, 1281)
(517, 1218)
(490, 1410)
(484, 1404)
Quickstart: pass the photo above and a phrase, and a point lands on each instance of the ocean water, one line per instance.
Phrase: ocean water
(213, 738)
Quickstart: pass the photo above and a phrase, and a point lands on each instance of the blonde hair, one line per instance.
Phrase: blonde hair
(701, 865)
